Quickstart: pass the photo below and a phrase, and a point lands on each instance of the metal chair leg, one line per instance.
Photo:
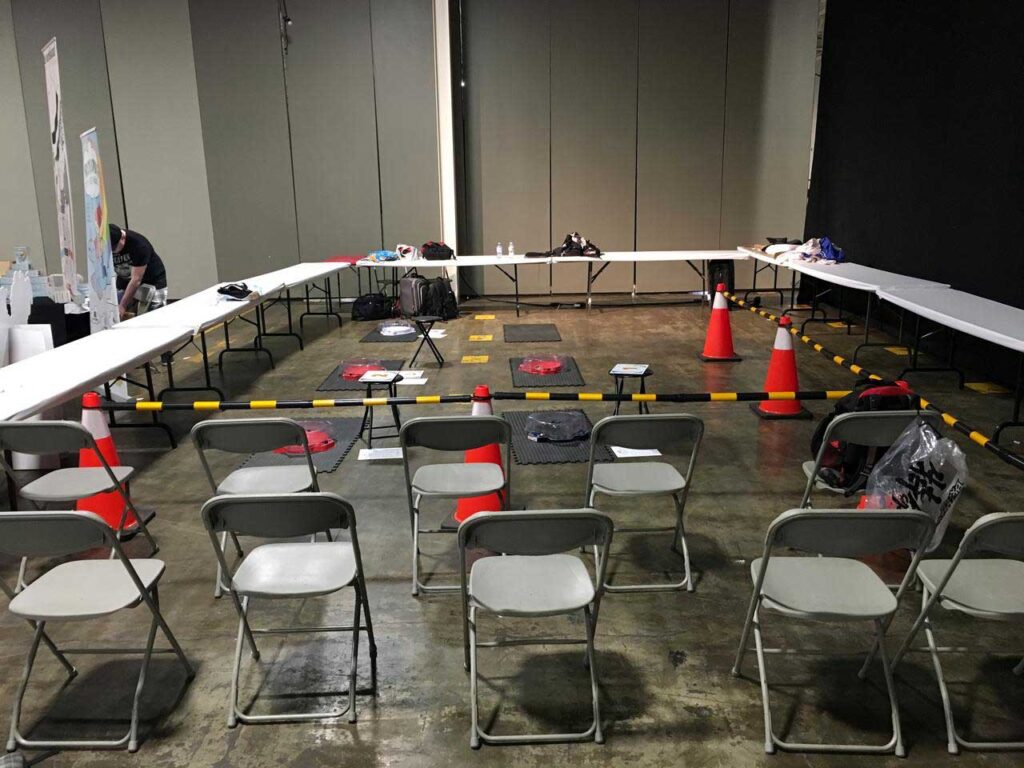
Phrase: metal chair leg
(14, 737)
(133, 732)
(355, 658)
(474, 706)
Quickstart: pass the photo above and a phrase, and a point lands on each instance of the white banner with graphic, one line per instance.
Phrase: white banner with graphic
(61, 179)
(102, 286)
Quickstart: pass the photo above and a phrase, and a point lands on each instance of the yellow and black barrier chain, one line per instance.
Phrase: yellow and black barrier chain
(1011, 458)
(362, 402)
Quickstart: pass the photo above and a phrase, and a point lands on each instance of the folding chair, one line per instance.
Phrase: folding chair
(70, 484)
(983, 588)
(291, 570)
(534, 578)
(625, 478)
(253, 436)
(77, 591)
(873, 429)
(833, 588)
(452, 480)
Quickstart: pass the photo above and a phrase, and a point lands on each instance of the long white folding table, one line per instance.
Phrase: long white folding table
(976, 316)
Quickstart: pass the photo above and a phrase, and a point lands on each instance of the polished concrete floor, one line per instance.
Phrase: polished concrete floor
(664, 659)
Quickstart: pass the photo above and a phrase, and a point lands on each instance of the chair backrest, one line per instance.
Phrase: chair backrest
(41, 437)
(454, 433)
(248, 435)
(277, 516)
(999, 532)
(661, 431)
(52, 534)
(850, 532)
(874, 429)
(537, 532)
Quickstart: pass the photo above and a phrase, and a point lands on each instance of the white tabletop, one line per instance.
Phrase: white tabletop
(296, 274)
(979, 317)
(757, 253)
(53, 377)
(520, 259)
(859, 277)
(642, 256)
(197, 312)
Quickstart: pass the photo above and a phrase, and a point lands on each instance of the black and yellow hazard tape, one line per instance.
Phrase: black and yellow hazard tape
(1011, 458)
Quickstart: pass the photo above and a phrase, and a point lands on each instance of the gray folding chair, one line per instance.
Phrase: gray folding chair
(983, 588)
(534, 578)
(291, 570)
(451, 480)
(833, 588)
(674, 433)
(244, 436)
(70, 484)
(76, 591)
(873, 429)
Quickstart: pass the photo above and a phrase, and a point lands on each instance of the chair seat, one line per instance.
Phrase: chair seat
(84, 589)
(637, 477)
(296, 569)
(987, 588)
(73, 483)
(531, 586)
(457, 480)
(289, 479)
(827, 588)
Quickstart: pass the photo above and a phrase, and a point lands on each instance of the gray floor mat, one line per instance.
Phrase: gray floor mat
(334, 382)
(376, 337)
(526, 451)
(344, 432)
(569, 376)
(519, 332)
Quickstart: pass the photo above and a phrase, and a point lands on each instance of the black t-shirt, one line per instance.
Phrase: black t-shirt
(138, 252)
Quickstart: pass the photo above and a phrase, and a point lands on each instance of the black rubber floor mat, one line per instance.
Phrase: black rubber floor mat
(344, 432)
(569, 376)
(532, 332)
(334, 382)
(526, 451)
(376, 337)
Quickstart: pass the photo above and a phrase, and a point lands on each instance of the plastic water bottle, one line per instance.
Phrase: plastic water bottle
(511, 248)
(497, 251)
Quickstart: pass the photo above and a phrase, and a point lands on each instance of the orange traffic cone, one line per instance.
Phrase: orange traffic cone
(718, 343)
(110, 505)
(492, 502)
(782, 377)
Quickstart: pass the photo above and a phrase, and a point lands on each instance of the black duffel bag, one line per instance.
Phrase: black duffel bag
(373, 306)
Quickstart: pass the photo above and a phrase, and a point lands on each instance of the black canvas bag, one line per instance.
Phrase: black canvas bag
(372, 306)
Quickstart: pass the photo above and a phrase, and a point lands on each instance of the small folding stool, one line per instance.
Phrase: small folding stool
(424, 323)
(623, 371)
(371, 378)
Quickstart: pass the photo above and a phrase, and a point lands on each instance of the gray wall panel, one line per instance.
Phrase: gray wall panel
(403, 60)
(86, 93)
(508, 136)
(680, 133)
(769, 101)
(245, 130)
(593, 128)
(19, 214)
(160, 136)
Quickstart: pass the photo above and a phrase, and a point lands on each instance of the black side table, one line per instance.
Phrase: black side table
(620, 385)
(367, 427)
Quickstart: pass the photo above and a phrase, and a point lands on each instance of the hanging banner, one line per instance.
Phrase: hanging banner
(61, 179)
(102, 288)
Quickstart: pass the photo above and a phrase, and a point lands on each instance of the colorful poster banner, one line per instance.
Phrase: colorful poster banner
(103, 312)
(61, 178)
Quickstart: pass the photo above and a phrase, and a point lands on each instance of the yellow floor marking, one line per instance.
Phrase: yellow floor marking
(475, 358)
(898, 351)
(484, 317)
(987, 388)
(840, 324)
(482, 337)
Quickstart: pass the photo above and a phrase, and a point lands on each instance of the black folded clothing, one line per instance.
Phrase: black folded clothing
(235, 291)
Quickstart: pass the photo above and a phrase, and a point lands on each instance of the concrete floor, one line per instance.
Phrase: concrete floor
(664, 659)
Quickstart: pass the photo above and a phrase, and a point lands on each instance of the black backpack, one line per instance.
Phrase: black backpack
(372, 306)
(436, 251)
(440, 300)
(847, 465)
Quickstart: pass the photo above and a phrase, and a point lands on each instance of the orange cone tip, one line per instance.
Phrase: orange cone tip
(782, 377)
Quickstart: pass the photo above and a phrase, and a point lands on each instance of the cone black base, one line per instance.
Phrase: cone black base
(804, 413)
(733, 359)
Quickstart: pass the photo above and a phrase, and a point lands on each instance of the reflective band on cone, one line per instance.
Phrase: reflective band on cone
(718, 343)
(109, 506)
(492, 502)
(782, 377)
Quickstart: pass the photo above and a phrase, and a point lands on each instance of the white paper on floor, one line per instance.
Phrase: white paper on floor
(379, 454)
(412, 374)
(633, 453)
(412, 382)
